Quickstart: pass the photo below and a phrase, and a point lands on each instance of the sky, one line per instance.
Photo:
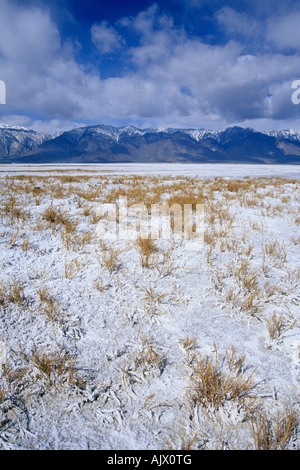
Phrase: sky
(171, 63)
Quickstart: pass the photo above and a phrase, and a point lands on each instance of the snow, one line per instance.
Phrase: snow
(17, 128)
(293, 134)
(203, 170)
(128, 388)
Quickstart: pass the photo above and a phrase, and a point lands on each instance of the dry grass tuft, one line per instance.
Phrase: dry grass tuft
(50, 305)
(54, 365)
(277, 325)
(146, 247)
(74, 267)
(214, 382)
(273, 433)
(54, 217)
(276, 251)
(153, 299)
(12, 293)
(111, 259)
(147, 359)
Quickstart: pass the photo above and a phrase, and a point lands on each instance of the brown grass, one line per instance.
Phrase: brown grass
(73, 267)
(148, 359)
(111, 259)
(212, 384)
(50, 305)
(275, 250)
(12, 292)
(146, 248)
(273, 433)
(54, 217)
(277, 325)
(53, 365)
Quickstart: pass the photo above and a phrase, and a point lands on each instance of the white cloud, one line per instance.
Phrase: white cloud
(27, 35)
(284, 31)
(51, 126)
(171, 78)
(234, 22)
(106, 38)
(143, 23)
(40, 72)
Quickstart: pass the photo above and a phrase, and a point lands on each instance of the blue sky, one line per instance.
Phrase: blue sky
(170, 63)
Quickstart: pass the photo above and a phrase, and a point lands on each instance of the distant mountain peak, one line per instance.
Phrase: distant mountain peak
(293, 134)
(16, 128)
(104, 143)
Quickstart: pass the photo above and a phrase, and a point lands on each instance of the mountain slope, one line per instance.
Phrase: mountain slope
(16, 141)
(104, 144)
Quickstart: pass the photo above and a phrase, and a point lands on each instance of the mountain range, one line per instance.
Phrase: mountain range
(108, 144)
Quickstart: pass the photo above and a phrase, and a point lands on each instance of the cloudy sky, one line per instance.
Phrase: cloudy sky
(170, 63)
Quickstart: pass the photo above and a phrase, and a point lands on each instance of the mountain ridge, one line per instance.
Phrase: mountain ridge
(110, 144)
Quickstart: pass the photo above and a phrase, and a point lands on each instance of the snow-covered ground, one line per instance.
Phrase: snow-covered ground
(102, 351)
(206, 170)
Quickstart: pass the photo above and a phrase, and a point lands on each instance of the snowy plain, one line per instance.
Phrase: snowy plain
(102, 356)
(205, 170)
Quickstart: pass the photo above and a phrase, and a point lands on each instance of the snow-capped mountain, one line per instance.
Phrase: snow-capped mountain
(104, 144)
(15, 141)
(289, 134)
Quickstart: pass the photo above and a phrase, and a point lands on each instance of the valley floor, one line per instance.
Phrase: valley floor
(162, 344)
